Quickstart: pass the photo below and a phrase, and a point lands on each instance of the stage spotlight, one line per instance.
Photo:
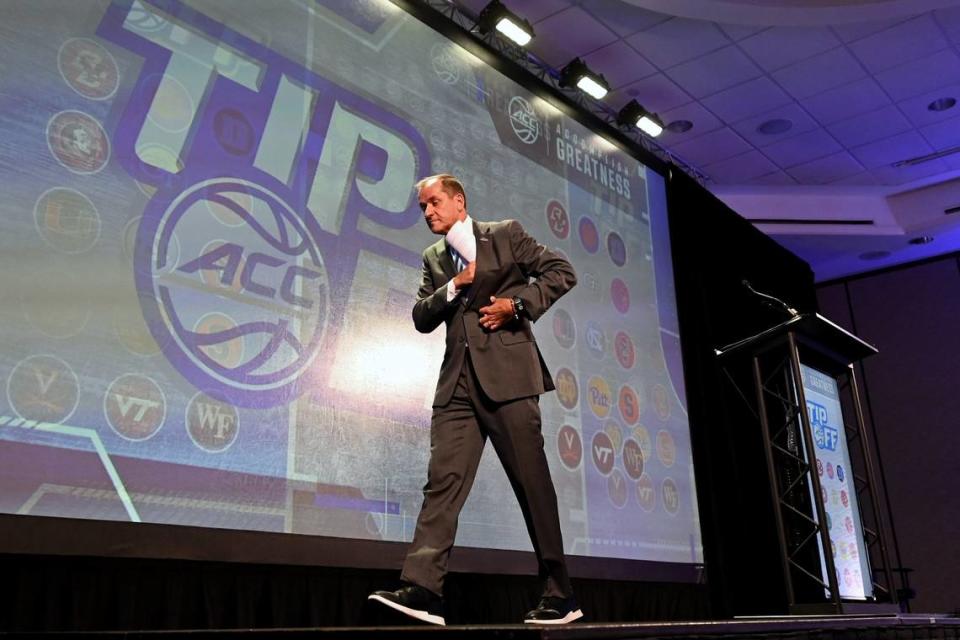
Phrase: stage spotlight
(578, 74)
(633, 114)
(496, 16)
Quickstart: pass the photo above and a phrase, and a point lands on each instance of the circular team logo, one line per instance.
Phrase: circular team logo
(603, 453)
(598, 395)
(670, 496)
(848, 524)
(234, 132)
(564, 328)
(443, 58)
(596, 341)
(661, 402)
(629, 404)
(623, 347)
(589, 236)
(250, 347)
(617, 249)
(67, 220)
(819, 467)
(212, 425)
(43, 388)
(666, 448)
(646, 493)
(844, 498)
(830, 470)
(632, 458)
(135, 407)
(617, 489)
(69, 319)
(523, 120)
(569, 447)
(620, 295)
(840, 474)
(613, 430)
(642, 436)
(557, 219)
(78, 142)
(823, 495)
(567, 392)
(88, 68)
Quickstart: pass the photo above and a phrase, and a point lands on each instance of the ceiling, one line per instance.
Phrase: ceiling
(798, 112)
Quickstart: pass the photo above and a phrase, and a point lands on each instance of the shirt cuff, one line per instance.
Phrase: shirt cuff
(452, 291)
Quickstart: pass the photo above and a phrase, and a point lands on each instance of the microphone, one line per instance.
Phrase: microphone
(770, 299)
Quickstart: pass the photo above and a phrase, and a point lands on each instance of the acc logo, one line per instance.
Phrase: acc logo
(670, 496)
(666, 448)
(43, 388)
(88, 68)
(620, 295)
(632, 458)
(557, 219)
(78, 142)
(135, 407)
(629, 405)
(443, 58)
(589, 236)
(603, 453)
(596, 341)
(67, 220)
(564, 328)
(623, 347)
(243, 317)
(617, 249)
(523, 120)
(617, 489)
(569, 447)
(598, 394)
(211, 424)
(567, 392)
(646, 494)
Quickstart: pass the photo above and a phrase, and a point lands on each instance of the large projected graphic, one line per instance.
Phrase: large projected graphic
(210, 252)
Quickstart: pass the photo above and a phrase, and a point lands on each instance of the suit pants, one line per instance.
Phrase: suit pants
(458, 432)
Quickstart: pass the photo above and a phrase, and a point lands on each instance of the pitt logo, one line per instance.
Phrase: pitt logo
(598, 392)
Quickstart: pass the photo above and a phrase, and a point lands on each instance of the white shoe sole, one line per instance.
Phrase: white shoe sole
(570, 617)
(413, 613)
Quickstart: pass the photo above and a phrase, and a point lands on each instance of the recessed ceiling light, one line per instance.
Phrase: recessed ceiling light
(774, 127)
(942, 104)
(679, 126)
(921, 240)
(874, 255)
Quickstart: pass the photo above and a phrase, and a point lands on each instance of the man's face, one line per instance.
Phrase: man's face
(440, 209)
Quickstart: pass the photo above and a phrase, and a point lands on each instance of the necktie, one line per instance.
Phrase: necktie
(458, 260)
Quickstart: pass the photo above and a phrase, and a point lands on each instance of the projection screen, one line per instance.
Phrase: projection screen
(210, 252)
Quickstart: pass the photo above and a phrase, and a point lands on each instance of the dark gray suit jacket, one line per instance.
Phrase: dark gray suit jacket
(510, 263)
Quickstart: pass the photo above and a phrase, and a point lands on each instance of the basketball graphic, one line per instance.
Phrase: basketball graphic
(248, 344)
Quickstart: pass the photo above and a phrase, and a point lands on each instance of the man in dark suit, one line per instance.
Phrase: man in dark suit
(490, 382)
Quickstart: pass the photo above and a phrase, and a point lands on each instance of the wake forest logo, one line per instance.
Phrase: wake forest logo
(523, 120)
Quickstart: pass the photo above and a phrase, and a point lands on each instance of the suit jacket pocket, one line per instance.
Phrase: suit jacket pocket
(515, 337)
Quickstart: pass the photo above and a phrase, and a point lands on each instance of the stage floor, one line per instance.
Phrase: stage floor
(856, 627)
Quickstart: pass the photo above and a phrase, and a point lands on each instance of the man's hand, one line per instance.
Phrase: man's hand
(465, 277)
(498, 313)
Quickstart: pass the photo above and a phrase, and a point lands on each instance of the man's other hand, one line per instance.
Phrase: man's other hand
(465, 277)
(498, 313)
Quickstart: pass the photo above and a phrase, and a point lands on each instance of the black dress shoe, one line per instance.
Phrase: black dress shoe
(554, 611)
(414, 601)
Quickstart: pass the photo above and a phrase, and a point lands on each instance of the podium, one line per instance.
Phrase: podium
(801, 376)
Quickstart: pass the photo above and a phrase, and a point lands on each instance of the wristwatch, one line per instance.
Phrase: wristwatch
(517, 307)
